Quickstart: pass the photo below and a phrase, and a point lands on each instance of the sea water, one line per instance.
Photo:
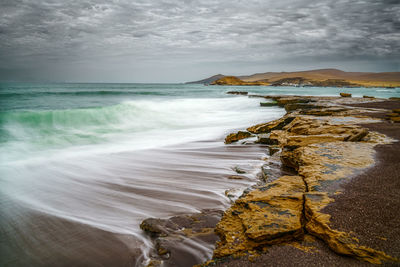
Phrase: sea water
(81, 165)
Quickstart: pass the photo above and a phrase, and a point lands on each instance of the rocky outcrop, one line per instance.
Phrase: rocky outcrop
(270, 126)
(271, 214)
(345, 95)
(234, 137)
(324, 152)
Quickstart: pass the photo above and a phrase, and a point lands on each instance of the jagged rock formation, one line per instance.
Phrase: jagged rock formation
(324, 152)
(264, 216)
(320, 144)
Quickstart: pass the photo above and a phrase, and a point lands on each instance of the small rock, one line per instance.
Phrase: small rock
(236, 177)
(345, 95)
(238, 170)
(237, 93)
(365, 96)
(268, 104)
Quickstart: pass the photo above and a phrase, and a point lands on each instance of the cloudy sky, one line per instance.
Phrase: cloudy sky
(182, 40)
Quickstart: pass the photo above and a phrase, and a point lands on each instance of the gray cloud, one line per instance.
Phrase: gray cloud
(175, 40)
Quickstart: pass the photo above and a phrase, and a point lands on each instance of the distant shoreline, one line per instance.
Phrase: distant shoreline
(311, 78)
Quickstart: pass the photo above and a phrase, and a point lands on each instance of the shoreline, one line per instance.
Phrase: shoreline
(298, 216)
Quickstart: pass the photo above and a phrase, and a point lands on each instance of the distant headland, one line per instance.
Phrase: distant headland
(320, 78)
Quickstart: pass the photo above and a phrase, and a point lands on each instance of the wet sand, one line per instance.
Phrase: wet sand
(370, 203)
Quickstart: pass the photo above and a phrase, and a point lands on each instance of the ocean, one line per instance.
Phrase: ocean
(81, 165)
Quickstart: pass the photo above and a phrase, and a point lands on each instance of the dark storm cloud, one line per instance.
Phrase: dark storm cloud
(171, 40)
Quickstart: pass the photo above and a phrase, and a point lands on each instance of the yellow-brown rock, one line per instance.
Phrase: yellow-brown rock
(395, 119)
(345, 95)
(269, 215)
(325, 111)
(396, 110)
(303, 131)
(323, 166)
(232, 80)
(234, 137)
(268, 127)
(282, 101)
(325, 152)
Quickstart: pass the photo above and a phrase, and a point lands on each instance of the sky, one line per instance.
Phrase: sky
(184, 40)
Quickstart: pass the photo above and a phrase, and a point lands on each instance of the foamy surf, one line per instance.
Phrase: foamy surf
(80, 180)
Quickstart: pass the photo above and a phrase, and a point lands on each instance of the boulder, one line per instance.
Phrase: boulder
(365, 96)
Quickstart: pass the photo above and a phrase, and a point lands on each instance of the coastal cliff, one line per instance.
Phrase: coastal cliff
(298, 213)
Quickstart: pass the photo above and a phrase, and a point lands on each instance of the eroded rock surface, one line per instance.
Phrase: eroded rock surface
(323, 142)
(271, 214)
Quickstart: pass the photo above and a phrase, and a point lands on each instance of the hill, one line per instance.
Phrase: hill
(208, 80)
(232, 80)
(321, 77)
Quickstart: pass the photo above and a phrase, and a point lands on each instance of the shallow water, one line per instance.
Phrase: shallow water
(81, 165)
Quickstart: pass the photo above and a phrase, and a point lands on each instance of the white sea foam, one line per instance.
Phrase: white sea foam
(127, 162)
